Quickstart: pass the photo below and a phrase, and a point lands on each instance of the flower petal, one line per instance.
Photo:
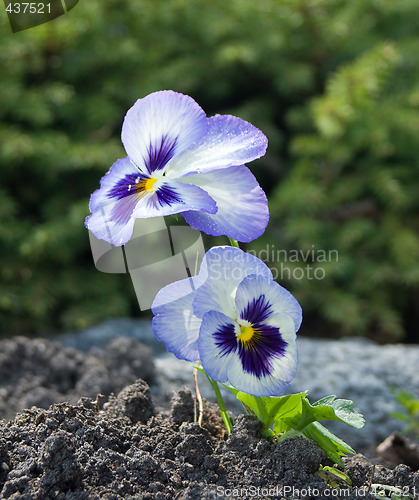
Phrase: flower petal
(282, 368)
(257, 299)
(217, 344)
(171, 197)
(226, 362)
(160, 126)
(174, 322)
(125, 194)
(229, 141)
(243, 212)
(113, 204)
(224, 268)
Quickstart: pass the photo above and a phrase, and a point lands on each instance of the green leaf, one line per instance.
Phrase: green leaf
(285, 409)
(400, 416)
(293, 414)
(330, 408)
(333, 446)
(409, 402)
(410, 415)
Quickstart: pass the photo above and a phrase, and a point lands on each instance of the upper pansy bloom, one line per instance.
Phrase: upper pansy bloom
(235, 319)
(180, 161)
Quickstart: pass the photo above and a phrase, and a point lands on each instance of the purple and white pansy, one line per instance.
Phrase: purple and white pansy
(235, 319)
(180, 161)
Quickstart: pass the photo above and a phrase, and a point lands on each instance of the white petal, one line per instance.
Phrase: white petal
(243, 212)
(215, 360)
(280, 300)
(229, 141)
(174, 322)
(225, 267)
(161, 126)
(270, 385)
(222, 362)
(112, 205)
(284, 367)
(171, 197)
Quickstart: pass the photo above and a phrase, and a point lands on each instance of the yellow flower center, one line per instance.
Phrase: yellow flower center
(246, 333)
(149, 183)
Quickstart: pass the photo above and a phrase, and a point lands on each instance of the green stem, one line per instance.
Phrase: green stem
(234, 243)
(221, 404)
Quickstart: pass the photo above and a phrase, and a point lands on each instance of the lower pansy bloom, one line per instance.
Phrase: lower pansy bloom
(235, 319)
(181, 161)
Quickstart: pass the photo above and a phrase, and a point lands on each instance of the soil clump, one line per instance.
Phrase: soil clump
(129, 450)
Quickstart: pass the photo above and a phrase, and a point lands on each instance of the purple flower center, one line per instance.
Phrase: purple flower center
(129, 185)
(257, 343)
(134, 186)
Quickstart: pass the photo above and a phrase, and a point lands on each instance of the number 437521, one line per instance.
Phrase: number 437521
(28, 8)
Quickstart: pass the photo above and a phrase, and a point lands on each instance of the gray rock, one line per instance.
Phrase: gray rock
(100, 335)
(364, 372)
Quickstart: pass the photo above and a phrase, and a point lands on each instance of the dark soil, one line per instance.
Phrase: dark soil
(40, 372)
(127, 448)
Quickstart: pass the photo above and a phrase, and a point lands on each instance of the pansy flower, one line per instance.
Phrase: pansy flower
(235, 319)
(180, 161)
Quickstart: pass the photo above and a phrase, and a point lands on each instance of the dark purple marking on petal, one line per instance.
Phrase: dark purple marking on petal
(131, 188)
(167, 196)
(257, 310)
(160, 154)
(225, 339)
(256, 354)
(128, 185)
(164, 195)
(127, 192)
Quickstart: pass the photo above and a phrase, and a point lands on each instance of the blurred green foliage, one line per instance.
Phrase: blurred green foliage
(410, 412)
(333, 84)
